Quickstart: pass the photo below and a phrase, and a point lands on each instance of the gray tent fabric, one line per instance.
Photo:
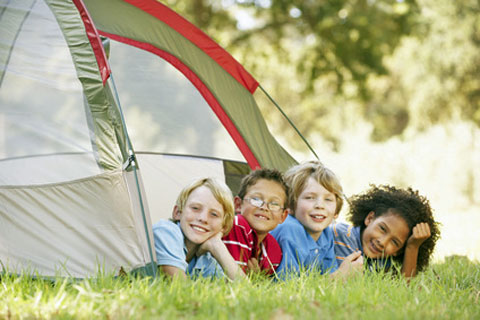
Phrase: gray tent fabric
(66, 206)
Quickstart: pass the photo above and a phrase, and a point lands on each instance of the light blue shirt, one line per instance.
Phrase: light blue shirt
(171, 250)
(301, 252)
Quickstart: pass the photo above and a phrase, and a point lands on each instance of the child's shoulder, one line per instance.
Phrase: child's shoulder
(240, 221)
(342, 230)
(290, 224)
(240, 226)
(165, 224)
(167, 227)
(290, 229)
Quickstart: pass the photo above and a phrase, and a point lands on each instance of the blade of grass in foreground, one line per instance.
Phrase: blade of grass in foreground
(450, 290)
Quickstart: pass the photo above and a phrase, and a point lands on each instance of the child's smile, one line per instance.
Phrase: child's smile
(385, 235)
(201, 218)
(262, 219)
(315, 208)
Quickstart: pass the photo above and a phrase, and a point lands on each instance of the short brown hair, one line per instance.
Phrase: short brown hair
(297, 176)
(266, 174)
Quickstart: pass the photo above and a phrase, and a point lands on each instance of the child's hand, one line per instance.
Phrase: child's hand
(253, 265)
(353, 262)
(420, 233)
(208, 245)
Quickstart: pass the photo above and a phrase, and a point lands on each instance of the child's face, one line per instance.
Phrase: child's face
(202, 216)
(385, 235)
(263, 220)
(315, 208)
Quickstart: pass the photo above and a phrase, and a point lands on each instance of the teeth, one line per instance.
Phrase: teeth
(262, 217)
(199, 229)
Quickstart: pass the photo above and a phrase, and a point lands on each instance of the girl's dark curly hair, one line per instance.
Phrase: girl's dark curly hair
(408, 204)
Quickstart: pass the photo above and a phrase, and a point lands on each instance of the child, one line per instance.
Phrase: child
(389, 224)
(261, 206)
(185, 245)
(305, 237)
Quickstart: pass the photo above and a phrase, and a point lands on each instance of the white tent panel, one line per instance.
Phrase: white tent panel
(68, 226)
(26, 169)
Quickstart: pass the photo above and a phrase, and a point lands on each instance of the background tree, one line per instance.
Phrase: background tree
(314, 57)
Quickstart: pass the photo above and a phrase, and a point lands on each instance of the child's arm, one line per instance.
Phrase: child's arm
(169, 240)
(219, 251)
(420, 233)
(172, 271)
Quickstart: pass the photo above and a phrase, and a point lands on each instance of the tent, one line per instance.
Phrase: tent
(107, 108)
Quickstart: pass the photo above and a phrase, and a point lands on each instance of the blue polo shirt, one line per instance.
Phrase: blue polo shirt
(171, 250)
(301, 252)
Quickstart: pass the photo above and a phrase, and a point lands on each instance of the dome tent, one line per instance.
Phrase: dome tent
(72, 196)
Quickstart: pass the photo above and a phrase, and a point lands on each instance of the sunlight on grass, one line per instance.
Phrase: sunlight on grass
(447, 290)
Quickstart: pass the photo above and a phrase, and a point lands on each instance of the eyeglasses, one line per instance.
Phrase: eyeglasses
(257, 202)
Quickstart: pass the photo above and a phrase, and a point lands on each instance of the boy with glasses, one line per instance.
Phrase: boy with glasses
(260, 207)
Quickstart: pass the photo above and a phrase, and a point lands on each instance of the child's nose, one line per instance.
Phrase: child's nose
(203, 216)
(318, 203)
(382, 242)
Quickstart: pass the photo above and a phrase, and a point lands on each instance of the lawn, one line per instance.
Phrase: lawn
(447, 290)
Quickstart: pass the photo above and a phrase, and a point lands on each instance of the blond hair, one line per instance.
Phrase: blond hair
(220, 191)
(297, 177)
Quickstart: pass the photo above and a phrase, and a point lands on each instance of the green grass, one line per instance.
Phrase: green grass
(450, 290)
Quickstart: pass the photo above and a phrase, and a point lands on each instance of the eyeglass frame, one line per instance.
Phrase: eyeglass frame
(260, 205)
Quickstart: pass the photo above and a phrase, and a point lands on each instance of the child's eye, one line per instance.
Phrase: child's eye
(329, 199)
(215, 214)
(309, 197)
(396, 243)
(382, 228)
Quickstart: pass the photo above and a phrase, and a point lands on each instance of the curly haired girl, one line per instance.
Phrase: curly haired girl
(389, 225)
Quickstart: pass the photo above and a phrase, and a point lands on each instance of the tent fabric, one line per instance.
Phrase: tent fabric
(66, 206)
(200, 39)
(92, 228)
(229, 99)
(106, 124)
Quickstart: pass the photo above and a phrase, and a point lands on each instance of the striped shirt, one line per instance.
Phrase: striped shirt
(346, 239)
(242, 242)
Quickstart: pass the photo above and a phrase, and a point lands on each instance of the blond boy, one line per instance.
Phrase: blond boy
(191, 243)
(306, 237)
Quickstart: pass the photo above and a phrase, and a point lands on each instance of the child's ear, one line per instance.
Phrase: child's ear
(237, 201)
(176, 213)
(369, 218)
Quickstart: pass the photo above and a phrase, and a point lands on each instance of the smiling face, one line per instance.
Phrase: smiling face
(201, 217)
(315, 208)
(263, 220)
(385, 235)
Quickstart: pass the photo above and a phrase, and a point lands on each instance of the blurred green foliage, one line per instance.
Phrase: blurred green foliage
(398, 65)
